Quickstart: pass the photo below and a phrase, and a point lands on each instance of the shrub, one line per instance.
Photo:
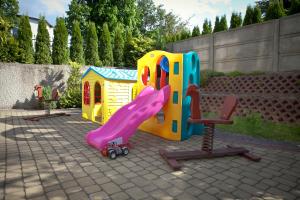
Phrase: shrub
(76, 48)
(295, 7)
(72, 96)
(60, 54)
(91, 49)
(47, 94)
(25, 41)
(106, 52)
(42, 44)
(118, 47)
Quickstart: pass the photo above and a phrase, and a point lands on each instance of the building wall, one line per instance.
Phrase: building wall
(17, 82)
(270, 46)
(34, 28)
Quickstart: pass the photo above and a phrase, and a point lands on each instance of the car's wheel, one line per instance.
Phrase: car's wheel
(125, 151)
(112, 154)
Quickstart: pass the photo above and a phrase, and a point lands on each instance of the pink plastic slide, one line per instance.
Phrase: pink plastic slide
(123, 124)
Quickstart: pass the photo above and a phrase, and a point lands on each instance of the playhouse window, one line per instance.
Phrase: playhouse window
(146, 76)
(162, 72)
(86, 90)
(97, 93)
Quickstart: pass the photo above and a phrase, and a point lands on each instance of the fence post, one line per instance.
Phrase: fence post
(211, 52)
(275, 55)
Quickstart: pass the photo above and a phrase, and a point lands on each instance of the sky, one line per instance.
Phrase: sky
(193, 11)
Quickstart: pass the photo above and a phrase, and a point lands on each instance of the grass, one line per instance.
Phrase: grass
(253, 125)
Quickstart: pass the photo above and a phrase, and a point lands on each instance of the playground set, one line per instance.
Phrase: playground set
(166, 105)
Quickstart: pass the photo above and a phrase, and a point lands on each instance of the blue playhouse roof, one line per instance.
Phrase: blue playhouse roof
(113, 74)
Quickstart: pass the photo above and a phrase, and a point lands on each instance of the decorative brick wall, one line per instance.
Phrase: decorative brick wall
(276, 96)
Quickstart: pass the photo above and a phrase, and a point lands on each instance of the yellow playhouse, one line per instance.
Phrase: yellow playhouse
(105, 90)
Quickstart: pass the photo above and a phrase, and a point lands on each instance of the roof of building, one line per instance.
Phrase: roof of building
(113, 73)
(37, 19)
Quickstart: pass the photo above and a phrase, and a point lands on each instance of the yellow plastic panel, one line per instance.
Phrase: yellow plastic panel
(172, 112)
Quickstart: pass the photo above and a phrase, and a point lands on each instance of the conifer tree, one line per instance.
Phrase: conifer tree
(248, 16)
(106, 53)
(256, 15)
(196, 31)
(25, 41)
(217, 24)
(60, 54)
(118, 47)
(295, 7)
(42, 44)
(275, 10)
(91, 50)
(76, 48)
(207, 29)
(223, 23)
(236, 20)
(128, 48)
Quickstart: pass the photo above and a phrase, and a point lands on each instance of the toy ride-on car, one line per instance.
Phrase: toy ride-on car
(113, 150)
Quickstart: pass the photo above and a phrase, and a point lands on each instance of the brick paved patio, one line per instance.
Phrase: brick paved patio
(50, 160)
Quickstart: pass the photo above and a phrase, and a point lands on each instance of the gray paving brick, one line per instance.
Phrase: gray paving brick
(136, 193)
(120, 196)
(110, 188)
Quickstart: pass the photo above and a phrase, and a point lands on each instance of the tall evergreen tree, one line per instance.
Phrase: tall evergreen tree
(42, 44)
(60, 54)
(106, 53)
(118, 47)
(223, 23)
(25, 41)
(257, 18)
(207, 29)
(128, 48)
(76, 48)
(236, 20)
(275, 10)
(196, 31)
(91, 50)
(295, 7)
(217, 24)
(248, 16)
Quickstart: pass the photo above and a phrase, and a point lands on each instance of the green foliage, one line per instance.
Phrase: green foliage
(47, 94)
(135, 48)
(72, 96)
(9, 10)
(223, 23)
(78, 11)
(205, 75)
(91, 50)
(42, 44)
(106, 53)
(9, 49)
(275, 10)
(248, 19)
(118, 50)
(217, 24)
(257, 18)
(60, 54)
(236, 20)
(185, 34)
(24, 38)
(263, 5)
(76, 48)
(207, 29)
(235, 74)
(254, 125)
(196, 31)
(295, 7)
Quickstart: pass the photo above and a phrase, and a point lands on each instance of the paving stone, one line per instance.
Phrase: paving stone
(56, 195)
(110, 188)
(98, 196)
(120, 196)
(79, 195)
(136, 193)
(92, 189)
